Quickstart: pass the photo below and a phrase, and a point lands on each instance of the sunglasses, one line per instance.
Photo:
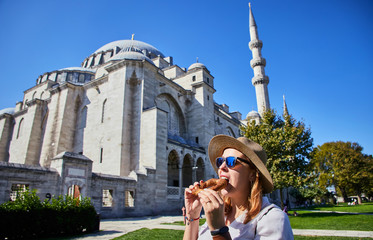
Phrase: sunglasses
(229, 161)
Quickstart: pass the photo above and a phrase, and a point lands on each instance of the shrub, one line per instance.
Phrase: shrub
(27, 217)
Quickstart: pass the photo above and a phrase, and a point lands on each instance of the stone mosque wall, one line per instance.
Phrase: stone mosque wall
(129, 129)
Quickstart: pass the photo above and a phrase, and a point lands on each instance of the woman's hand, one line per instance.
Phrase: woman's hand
(193, 206)
(213, 205)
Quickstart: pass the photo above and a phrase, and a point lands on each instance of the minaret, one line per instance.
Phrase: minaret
(260, 80)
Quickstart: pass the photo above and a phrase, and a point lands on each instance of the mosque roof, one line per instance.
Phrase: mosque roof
(196, 65)
(81, 69)
(129, 44)
(7, 110)
(252, 114)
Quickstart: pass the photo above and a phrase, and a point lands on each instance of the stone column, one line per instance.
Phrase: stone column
(6, 131)
(194, 170)
(180, 166)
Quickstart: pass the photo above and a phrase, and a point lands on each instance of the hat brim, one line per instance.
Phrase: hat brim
(221, 142)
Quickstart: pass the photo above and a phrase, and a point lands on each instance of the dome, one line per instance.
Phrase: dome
(110, 50)
(196, 65)
(8, 111)
(253, 114)
(131, 55)
(128, 44)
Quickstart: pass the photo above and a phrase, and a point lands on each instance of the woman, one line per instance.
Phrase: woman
(240, 211)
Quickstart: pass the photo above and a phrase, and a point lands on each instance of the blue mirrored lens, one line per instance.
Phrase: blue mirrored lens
(219, 162)
(230, 161)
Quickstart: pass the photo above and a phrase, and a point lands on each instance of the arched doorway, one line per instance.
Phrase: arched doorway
(173, 173)
(173, 169)
(187, 171)
(200, 169)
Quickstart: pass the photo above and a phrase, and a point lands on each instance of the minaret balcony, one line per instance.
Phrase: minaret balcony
(260, 80)
(258, 62)
(255, 43)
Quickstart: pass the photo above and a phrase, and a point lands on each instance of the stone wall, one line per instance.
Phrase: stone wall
(35, 177)
(130, 196)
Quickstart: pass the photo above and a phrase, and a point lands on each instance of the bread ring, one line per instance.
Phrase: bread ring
(213, 184)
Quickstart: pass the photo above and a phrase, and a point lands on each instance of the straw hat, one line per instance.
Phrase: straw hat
(250, 149)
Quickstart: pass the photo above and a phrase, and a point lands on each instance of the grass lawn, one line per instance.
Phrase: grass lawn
(331, 221)
(157, 234)
(343, 207)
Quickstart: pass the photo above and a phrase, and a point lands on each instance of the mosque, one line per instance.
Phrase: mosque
(129, 129)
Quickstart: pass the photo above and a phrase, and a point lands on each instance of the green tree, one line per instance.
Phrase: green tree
(288, 144)
(344, 166)
(368, 184)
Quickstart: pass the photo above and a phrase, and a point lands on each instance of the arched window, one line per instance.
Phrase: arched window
(103, 111)
(20, 125)
(81, 78)
(230, 132)
(175, 118)
(33, 95)
(74, 191)
(41, 95)
(69, 77)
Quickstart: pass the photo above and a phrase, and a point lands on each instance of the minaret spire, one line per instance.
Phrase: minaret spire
(260, 80)
(251, 20)
(286, 112)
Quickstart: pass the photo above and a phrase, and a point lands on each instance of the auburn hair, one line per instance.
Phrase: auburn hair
(254, 201)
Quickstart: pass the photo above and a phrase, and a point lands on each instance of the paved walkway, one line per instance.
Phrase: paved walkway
(111, 228)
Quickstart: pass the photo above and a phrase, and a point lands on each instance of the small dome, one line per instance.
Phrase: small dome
(196, 65)
(131, 55)
(253, 114)
(76, 75)
(80, 69)
(8, 111)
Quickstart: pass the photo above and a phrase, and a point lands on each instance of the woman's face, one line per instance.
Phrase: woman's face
(239, 176)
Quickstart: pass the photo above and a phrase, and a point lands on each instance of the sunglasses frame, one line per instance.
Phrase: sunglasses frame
(235, 161)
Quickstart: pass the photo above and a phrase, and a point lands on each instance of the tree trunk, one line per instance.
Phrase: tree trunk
(344, 194)
(359, 199)
(281, 199)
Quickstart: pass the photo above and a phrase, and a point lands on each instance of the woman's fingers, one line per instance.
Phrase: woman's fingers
(208, 196)
(214, 208)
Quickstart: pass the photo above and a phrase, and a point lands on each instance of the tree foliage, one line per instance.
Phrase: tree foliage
(288, 144)
(344, 166)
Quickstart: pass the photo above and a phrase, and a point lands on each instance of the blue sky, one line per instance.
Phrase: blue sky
(319, 53)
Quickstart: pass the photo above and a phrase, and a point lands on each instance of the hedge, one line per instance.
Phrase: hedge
(27, 217)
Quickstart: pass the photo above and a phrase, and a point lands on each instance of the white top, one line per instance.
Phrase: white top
(270, 223)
